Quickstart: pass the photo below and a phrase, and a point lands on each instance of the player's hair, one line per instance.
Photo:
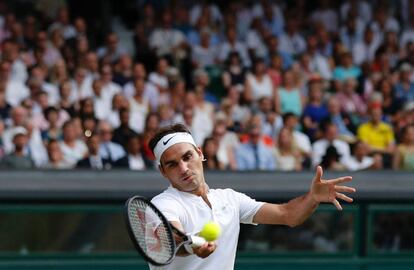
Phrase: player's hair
(165, 131)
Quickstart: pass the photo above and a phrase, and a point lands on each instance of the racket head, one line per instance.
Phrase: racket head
(150, 231)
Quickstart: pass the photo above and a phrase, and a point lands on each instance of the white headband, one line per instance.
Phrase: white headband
(169, 140)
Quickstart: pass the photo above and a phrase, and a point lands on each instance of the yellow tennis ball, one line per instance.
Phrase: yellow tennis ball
(211, 231)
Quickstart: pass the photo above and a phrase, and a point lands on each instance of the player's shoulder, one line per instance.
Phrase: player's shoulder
(225, 193)
(167, 196)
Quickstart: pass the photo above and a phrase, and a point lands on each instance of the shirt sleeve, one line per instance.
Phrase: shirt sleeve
(248, 208)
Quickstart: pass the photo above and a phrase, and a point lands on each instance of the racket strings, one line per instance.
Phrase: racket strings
(150, 232)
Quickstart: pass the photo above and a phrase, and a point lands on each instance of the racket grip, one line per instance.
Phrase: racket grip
(197, 241)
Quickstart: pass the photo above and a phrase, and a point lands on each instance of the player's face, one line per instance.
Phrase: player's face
(182, 165)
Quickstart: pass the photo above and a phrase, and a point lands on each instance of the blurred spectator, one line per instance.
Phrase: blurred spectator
(291, 41)
(258, 83)
(300, 139)
(18, 159)
(326, 15)
(204, 54)
(378, 135)
(111, 51)
(53, 130)
(253, 154)
(107, 149)
(139, 106)
(123, 132)
(73, 149)
(227, 143)
(134, 159)
(210, 152)
(93, 160)
(234, 73)
(342, 121)
(331, 160)
(404, 154)
(360, 8)
(123, 70)
(231, 44)
(351, 102)
(150, 92)
(338, 149)
(15, 91)
(315, 110)
(287, 155)
(359, 160)
(165, 40)
(290, 97)
(346, 69)
(404, 89)
(364, 49)
(62, 21)
(55, 157)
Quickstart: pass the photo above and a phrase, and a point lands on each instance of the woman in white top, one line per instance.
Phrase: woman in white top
(258, 83)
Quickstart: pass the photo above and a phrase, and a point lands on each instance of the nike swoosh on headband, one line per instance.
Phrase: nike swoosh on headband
(165, 142)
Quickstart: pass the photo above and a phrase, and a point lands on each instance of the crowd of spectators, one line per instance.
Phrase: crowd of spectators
(262, 85)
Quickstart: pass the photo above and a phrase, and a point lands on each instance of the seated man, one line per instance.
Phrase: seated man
(378, 136)
(94, 160)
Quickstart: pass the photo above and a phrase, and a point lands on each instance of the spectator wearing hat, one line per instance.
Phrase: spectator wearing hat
(18, 159)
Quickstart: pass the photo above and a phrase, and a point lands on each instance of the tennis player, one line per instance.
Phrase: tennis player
(188, 203)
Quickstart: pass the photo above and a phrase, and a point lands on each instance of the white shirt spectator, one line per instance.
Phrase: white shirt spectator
(136, 162)
(52, 93)
(255, 42)
(391, 25)
(16, 92)
(364, 10)
(110, 89)
(328, 17)
(406, 36)
(73, 154)
(293, 45)
(150, 93)
(320, 146)
(262, 88)
(362, 51)
(158, 79)
(319, 64)
(195, 13)
(257, 11)
(82, 90)
(204, 56)
(19, 71)
(101, 107)
(163, 40)
(302, 141)
(138, 112)
(352, 164)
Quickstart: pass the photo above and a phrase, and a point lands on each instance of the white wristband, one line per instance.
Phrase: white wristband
(189, 248)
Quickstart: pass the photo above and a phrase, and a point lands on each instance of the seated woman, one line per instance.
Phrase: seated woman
(404, 155)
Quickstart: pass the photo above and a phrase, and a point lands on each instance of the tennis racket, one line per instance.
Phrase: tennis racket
(154, 237)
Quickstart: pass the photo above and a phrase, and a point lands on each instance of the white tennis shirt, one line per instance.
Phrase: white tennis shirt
(228, 207)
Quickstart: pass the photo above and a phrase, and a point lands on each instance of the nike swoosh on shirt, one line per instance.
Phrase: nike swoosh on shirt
(165, 142)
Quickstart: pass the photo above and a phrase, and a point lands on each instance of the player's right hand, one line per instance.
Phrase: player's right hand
(205, 250)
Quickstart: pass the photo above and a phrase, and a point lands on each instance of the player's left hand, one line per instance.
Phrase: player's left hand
(330, 190)
(205, 250)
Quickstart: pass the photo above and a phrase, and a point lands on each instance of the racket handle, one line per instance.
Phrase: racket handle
(197, 241)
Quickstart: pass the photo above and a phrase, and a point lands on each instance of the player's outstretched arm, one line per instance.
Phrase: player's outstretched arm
(296, 211)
